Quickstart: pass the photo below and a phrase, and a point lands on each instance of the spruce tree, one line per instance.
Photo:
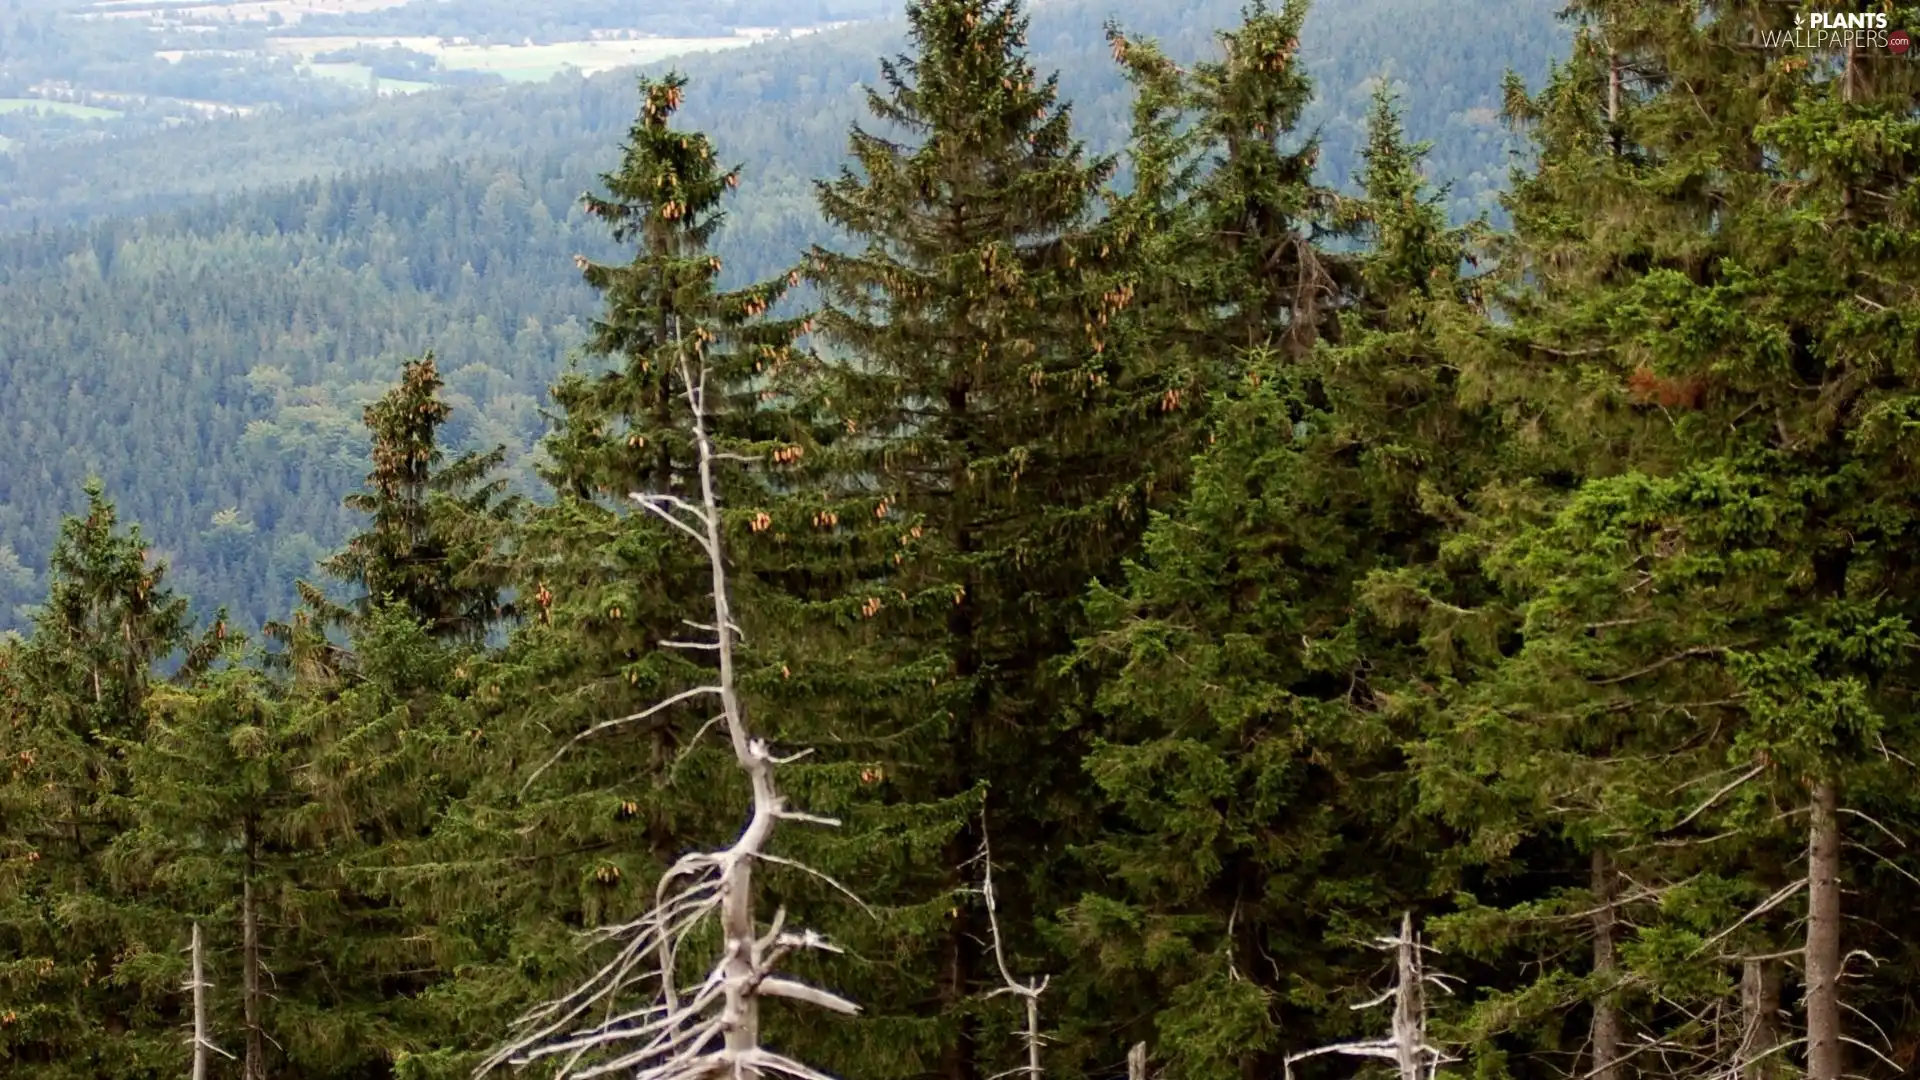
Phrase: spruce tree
(432, 523)
(1003, 427)
(1253, 666)
(210, 787)
(567, 813)
(1221, 151)
(81, 999)
(1704, 687)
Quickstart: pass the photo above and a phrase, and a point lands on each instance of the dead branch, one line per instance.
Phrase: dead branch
(710, 1029)
(1720, 794)
(1027, 992)
(198, 986)
(1413, 1057)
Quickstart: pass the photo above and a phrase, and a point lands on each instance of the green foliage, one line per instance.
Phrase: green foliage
(1254, 552)
(430, 544)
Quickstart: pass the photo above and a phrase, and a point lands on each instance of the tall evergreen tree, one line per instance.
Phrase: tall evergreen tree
(573, 811)
(1254, 661)
(1704, 685)
(1004, 427)
(1220, 148)
(210, 789)
(81, 999)
(432, 523)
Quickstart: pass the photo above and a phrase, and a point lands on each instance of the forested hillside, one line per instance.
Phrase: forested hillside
(210, 363)
(1239, 621)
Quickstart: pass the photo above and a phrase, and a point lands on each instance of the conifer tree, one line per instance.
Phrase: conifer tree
(1003, 428)
(567, 812)
(432, 523)
(369, 942)
(1258, 267)
(210, 785)
(1265, 813)
(80, 999)
(1704, 686)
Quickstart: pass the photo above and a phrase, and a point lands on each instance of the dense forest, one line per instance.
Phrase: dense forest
(209, 361)
(1175, 610)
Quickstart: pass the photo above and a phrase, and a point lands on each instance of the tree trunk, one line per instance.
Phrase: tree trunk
(960, 1057)
(199, 1011)
(1759, 1018)
(1613, 101)
(1409, 1005)
(255, 1064)
(1823, 936)
(1606, 1011)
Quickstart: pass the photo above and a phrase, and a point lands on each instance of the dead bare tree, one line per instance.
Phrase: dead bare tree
(712, 1029)
(198, 986)
(1028, 992)
(1414, 1058)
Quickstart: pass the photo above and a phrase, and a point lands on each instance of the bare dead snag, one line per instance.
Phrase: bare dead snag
(1137, 1062)
(198, 986)
(1027, 992)
(1414, 1058)
(1823, 958)
(633, 1016)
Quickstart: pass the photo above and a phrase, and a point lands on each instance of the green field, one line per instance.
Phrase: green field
(515, 63)
(63, 108)
(538, 63)
(357, 75)
(6, 144)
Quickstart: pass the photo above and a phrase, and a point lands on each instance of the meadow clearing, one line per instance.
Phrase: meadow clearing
(59, 108)
(519, 63)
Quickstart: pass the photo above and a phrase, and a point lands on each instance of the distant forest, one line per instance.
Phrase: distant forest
(209, 362)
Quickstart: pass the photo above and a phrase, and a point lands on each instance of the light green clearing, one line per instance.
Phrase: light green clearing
(6, 144)
(358, 74)
(64, 108)
(538, 63)
(524, 63)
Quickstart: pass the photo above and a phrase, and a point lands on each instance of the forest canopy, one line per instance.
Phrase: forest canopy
(1136, 585)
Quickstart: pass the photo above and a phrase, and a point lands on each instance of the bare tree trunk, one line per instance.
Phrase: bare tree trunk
(1406, 1047)
(1606, 1010)
(1409, 1006)
(676, 1034)
(1759, 1018)
(199, 1011)
(254, 1066)
(1613, 99)
(1823, 936)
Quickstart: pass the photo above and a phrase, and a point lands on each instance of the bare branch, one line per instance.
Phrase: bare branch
(1414, 1058)
(712, 1029)
(1718, 795)
(1028, 992)
(605, 725)
(199, 986)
